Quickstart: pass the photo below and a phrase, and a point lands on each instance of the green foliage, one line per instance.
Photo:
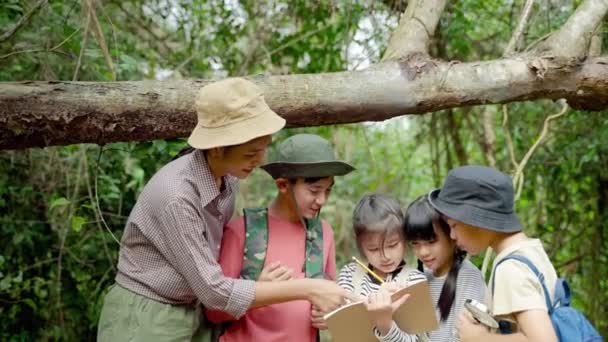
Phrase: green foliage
(58, 205)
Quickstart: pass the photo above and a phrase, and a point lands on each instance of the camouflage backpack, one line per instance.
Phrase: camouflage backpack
(256, 243)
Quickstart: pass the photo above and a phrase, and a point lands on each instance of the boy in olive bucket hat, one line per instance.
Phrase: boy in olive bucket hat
(287, 240)
(168, 255)
(477, 203)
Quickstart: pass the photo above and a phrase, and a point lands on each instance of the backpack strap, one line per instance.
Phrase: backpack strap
(562, 293)
(256, 242)
(539, 275)
(313, 265)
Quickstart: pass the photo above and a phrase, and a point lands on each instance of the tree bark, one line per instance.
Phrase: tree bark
(38, 114)
(416, 27)
(573, 38)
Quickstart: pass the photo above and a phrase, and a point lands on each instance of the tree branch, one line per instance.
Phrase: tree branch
(60, 113)
(595, 46)
(519, 29)
(21, 23)
(141, 25)
(53, 49)
(99, 37)
(83, 44)
(573, 38)
(518, 177)
(416, 27)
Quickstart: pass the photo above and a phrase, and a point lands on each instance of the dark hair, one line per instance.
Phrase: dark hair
(183, 152)
(377, 213)
(189, 149)
(420, 217)
(308, 180)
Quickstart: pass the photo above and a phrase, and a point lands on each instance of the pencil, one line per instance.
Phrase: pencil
(368, 270)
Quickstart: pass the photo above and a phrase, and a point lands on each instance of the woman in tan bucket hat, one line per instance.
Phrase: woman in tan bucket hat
(168, 266)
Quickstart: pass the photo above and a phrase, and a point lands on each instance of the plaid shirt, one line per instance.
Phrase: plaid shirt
(171, 243)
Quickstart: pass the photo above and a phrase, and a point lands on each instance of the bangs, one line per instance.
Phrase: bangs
(389, 225)
(419, 219)
(420, 231)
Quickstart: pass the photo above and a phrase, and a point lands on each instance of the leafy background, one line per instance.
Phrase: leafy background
(58, 205)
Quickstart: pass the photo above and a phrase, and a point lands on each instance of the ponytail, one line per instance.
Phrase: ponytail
(420, 220)
(420, 266)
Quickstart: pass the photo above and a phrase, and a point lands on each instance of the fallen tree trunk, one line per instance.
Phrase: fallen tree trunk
(37, 114)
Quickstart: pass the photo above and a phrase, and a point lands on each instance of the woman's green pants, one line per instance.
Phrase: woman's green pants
(127, 316)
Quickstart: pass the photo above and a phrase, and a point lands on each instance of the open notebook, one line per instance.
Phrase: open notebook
(350, 323)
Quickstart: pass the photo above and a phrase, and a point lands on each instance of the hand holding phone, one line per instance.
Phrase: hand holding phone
(481, 313)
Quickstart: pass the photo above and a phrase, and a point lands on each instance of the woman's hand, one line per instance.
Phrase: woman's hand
(327, 295)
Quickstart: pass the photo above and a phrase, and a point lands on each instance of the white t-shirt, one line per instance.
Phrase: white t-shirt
(516, 287)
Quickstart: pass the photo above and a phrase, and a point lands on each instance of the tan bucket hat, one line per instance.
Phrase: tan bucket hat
(232, 112)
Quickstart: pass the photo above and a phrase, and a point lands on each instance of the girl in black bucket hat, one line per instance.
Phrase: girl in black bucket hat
(477, 203)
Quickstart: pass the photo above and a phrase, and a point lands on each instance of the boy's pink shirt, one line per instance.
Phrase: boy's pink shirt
(278, 322)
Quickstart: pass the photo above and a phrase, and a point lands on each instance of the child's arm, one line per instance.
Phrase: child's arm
(381, 309)
(518, 293)
(395, 334)
(534, 325)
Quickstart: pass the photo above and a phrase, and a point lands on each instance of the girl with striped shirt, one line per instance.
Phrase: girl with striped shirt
(378, 228)
(452, 279)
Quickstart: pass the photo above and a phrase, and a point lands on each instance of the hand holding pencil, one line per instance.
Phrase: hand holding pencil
(391, 287)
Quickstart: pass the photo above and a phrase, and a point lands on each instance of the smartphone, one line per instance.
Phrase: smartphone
(481, 313)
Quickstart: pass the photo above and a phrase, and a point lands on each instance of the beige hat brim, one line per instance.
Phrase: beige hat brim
(205, 138)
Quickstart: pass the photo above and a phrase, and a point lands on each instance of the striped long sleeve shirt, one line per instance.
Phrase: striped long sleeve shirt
(370, 285)
(469, 285)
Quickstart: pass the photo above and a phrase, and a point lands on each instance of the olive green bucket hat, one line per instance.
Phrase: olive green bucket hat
(306, 156)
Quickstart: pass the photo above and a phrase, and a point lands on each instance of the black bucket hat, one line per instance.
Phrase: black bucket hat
(306, 156)
(479, 196)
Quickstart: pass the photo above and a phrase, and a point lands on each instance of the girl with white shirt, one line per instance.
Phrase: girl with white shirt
(378, 230)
